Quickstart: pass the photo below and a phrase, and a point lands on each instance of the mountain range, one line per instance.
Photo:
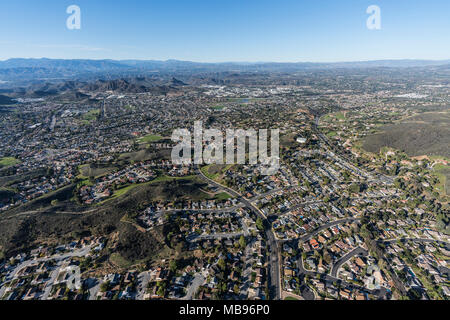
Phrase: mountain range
(19, 69)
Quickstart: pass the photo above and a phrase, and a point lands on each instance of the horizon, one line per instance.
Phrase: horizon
(233, 62)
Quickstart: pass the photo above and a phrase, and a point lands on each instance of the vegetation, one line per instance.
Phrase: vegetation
(149, 138)
(8, 161)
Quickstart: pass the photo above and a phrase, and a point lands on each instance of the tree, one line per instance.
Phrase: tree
(104, 286)
(242, 242)
(259, 224)
(161, 291)
(221, 263)
(355, 188)
(173, 266)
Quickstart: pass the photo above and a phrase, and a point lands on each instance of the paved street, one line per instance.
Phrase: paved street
(199, 279)
(272, 246)
(355, 252)
(143, 279)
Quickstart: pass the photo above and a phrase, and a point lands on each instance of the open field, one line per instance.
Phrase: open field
(423, 134)
(8, 161)
(91, 115)
(132, 246)
(143, 155)
(149, 138)
(93, 170)
(443, 174)
(215, 171)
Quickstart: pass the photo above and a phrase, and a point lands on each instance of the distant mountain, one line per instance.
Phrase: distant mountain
(62, 64)
(51, 69)
(119, 85)
(5, 100)
(74, 89)
(175, 82)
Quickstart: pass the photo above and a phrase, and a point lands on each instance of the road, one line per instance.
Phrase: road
(347, 162)
(330, 278)
(272, 245)
(143, 279)
(196, 283)
(416, 240)
(357, 251)
(76, 253)
(214, 236)
(311, 234)
(260, 196)
(380, 293)
(94, 287)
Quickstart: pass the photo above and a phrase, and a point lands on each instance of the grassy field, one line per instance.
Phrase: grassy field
(129, 107)
(422, 134)
(119, 261)
(8, 161)
(333, 116)
(95, 171)
(442, 172)
(126, 189)
(91, 115)
(340, 116)
(215, 171)
(84, 182)
(149, 138)
(222, 196)
(331, 134)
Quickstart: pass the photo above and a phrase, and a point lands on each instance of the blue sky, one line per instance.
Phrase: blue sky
(213, 31)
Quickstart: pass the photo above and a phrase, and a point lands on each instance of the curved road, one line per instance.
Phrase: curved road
(274, 256)
(355, 252)
(330, 279)
(326, 226)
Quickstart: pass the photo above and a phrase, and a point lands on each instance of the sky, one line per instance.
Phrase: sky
(225, 31)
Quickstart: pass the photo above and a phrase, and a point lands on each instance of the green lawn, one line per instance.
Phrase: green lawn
(84, 182)
(206, 172)
(340, 116)
(8, 161)
(149, 138)
(129, 107)
(222, 196)
(215, 171)
(442, 172)
(332, 116)
(119, 261)
(91, 115)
